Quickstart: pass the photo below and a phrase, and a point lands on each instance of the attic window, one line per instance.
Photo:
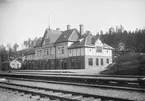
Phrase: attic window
(98, 49)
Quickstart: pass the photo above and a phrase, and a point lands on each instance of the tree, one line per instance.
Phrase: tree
(3, 53)
(30, 42)
(15, 47)
(111, 30)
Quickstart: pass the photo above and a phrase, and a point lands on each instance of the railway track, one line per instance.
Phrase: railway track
(82, 84)
(41, 93)
(132, 83)
(119, 83)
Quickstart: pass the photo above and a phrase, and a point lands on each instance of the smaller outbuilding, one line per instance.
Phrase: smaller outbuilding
(15, 64)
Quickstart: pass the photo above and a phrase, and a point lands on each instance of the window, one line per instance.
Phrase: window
(90, 62)
(73, 62)
(78, 63)
(47, 51)
(58, 50)
(69, 51)
(50, 51)
(40, 52)
(62, 50)
(17, 65)
(107, 60)
(101, 61)
(97, 61)
(90, 50)
(99, 49)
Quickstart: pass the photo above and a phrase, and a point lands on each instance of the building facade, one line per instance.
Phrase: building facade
(15, 64)
(71, 49)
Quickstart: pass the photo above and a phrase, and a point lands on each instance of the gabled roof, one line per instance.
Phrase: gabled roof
(83, 41)
(38, 43)
(87, 40)
(94, 39)
(107, 46)
(16, 60)
(65, 36)
(52, 34)
(29, 51)
(78, 44)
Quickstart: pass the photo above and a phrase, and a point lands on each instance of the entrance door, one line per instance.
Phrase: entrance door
(65, 65)
(62, 65)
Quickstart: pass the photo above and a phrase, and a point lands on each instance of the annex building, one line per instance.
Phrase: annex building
(69, 49)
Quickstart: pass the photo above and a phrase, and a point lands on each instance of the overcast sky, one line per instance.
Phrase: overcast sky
(21, 19)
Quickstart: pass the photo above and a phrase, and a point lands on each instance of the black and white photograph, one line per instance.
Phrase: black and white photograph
(72, 50)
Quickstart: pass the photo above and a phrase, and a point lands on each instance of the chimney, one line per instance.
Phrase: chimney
(81, 29)
(68, 27)
(57, 29)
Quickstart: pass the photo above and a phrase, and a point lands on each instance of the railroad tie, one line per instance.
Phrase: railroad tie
(21, 94)
(56, 93)
(55, 100)
(97, 99)
(44, 99)
(86, 99)
(76, 97)
(48, 92)
(35, 97)
(65, 95)
(28, 95)
(31, 89)
(15, 92)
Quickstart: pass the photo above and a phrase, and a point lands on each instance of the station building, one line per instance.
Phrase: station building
(70, 49)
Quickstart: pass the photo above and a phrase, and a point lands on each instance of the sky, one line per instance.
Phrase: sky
(23, 19)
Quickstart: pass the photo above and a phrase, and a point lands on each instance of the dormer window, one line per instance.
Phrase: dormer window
(47, 40)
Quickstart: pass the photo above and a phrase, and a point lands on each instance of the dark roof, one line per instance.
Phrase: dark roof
(107, 46)
(29, 51)
(17, 60)
(87, 40)
(64, 37)
(84, 41)
(38, 43)
(94, 39)
(52, 34)
(78, 44)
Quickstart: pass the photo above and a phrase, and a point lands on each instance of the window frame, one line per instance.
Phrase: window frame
(97, 62)
(99, 49)
(107, 61)
(62, 51)
(90, 61)
(102, 63)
